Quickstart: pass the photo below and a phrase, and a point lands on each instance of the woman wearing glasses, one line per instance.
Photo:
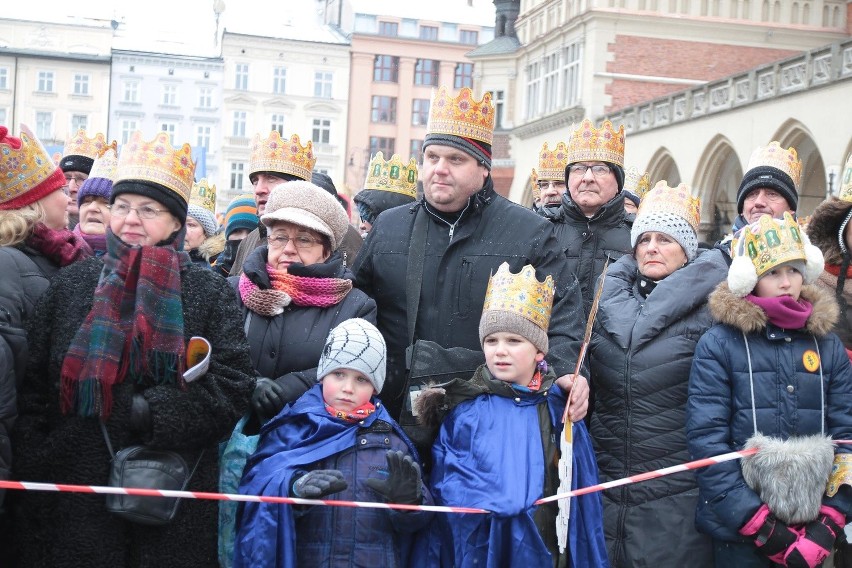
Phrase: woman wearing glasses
(294, 291)
(108, 344)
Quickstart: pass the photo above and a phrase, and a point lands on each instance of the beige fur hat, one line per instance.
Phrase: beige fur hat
(307, 205)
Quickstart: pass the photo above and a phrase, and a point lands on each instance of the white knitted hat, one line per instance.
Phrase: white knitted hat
(204, 217)
(355, 344)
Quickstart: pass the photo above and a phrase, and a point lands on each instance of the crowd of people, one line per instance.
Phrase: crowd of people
(450, 348)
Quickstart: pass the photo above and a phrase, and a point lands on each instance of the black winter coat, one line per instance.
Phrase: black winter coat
(640, 360)
(61, 529)
(490, 231)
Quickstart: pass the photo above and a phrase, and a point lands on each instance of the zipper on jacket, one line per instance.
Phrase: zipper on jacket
(452, 226)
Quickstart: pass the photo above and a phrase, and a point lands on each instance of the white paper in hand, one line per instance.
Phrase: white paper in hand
(197, 358)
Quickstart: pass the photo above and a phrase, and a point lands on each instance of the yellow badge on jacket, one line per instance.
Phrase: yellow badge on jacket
(811, 360)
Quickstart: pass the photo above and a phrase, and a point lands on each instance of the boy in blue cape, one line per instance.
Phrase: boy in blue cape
(498, 444)
(336, 439)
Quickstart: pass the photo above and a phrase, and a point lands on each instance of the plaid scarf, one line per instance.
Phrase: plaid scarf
(286, 288)
(135, 328)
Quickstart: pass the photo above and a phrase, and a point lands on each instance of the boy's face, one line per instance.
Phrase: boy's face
(346, 389)
(511, 357)
(781, 281)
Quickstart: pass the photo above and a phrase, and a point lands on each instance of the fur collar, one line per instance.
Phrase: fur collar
(727, 308)
(212, 246)
(823, 225)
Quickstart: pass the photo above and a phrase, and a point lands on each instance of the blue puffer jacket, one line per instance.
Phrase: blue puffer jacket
(787, 398)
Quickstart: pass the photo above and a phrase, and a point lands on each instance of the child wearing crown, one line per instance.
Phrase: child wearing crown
(771, 376)
(497, 447)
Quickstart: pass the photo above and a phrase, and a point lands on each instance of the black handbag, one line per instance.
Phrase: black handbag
(142, 467)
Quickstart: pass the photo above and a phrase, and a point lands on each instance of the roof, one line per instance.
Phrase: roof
(497, 46)
(480, 13)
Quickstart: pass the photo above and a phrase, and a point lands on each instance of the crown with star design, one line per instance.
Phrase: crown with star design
(279, 155)
(590, 144)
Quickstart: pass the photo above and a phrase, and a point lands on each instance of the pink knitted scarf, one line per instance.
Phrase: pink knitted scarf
(286, 288)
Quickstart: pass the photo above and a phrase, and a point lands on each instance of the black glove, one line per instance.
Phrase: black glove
(140, 415)
(267, 400)
(318, 483)
(403, 484)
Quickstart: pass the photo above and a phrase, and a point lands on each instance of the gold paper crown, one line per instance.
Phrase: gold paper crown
(675, 200)
(393, 175)
(551, 164)
(23, 169)
(81, 145)
(203, 194)
(157, 161)
(846, 180)
(536, 192)
(106, 162)
(274, 154)
(461, 116)
(770, 242)
(777, 157)
(520, 294)
(590, 144)
(637, 183)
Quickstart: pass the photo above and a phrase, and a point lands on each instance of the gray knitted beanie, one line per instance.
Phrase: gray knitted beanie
(355, 344)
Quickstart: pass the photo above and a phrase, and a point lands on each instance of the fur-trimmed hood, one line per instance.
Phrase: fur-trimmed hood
(212, 246)
(823, 226)
(730, 309)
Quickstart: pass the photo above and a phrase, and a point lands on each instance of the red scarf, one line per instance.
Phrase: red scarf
(354, 415)
(62, 247)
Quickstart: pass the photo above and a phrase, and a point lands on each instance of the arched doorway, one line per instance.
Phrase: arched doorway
(716, 181)
(813, 183)
(663, 167)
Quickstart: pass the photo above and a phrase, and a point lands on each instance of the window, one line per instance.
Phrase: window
(469, 37)
(44, 125)
(78, 122)
(499, 104)
(128, 127)
(169, 128)
(419, 112)
(571, 75)
(170, 95)
(237, 175)
(386, 68)
(416, 150)
(4, 78)
(384, 145)
(202, 139)
(205, 97)
(239, 124)
(322, 84)
(389, 29)
(81, 84)
(2, 116)
(322, 131)
(533, 86)
(131, 92)
(426, 72)
(45, 81)
(383, 110)
(464, 75)
(429, 33)
(279, 80)
(278, 123)
(241, 76)
(551, 82)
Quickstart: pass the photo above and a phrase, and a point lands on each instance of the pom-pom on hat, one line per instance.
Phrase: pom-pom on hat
(355, 344)
(28, 172)
(307, 205)
(671, 211)
(241, 214)
(767, 244)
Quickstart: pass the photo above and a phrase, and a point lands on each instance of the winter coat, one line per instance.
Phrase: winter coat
(787, 398)
(25, 276)
(76, 530)
(640, 357)
(590, 241)
(287, 347)
(491, 230)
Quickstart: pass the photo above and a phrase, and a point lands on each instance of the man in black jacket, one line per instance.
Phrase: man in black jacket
(468, 231)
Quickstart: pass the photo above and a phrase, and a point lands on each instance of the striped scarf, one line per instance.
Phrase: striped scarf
(286, 288)
(135, 328)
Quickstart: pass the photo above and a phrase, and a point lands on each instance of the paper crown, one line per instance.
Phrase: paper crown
(461, 116)
(637, 183)
(846, 180)
(551, 163)
(590, 144)
(26, 170)
(769, 242)
(536, 192)
(520, 294)
(157, 161)
(777, 157)
(675, 200)
(274, 154)
(82, 145)
(106, 163)
(203, 194)
(392, 175)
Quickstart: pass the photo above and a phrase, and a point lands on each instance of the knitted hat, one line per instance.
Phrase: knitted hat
(632, 197)
(355, 344)
(28, 171)
(767, 244)
(202, 206)
(772, 167)
(303, 203)
(204, 217)
(518, 303)
(671, 211)
(99, 182)
(241, 214)
(462, 122)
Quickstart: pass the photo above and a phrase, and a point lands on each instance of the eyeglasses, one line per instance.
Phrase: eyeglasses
(300, 242)
(78, 178)
(144, 212)
(557, 184)
(580, 170)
